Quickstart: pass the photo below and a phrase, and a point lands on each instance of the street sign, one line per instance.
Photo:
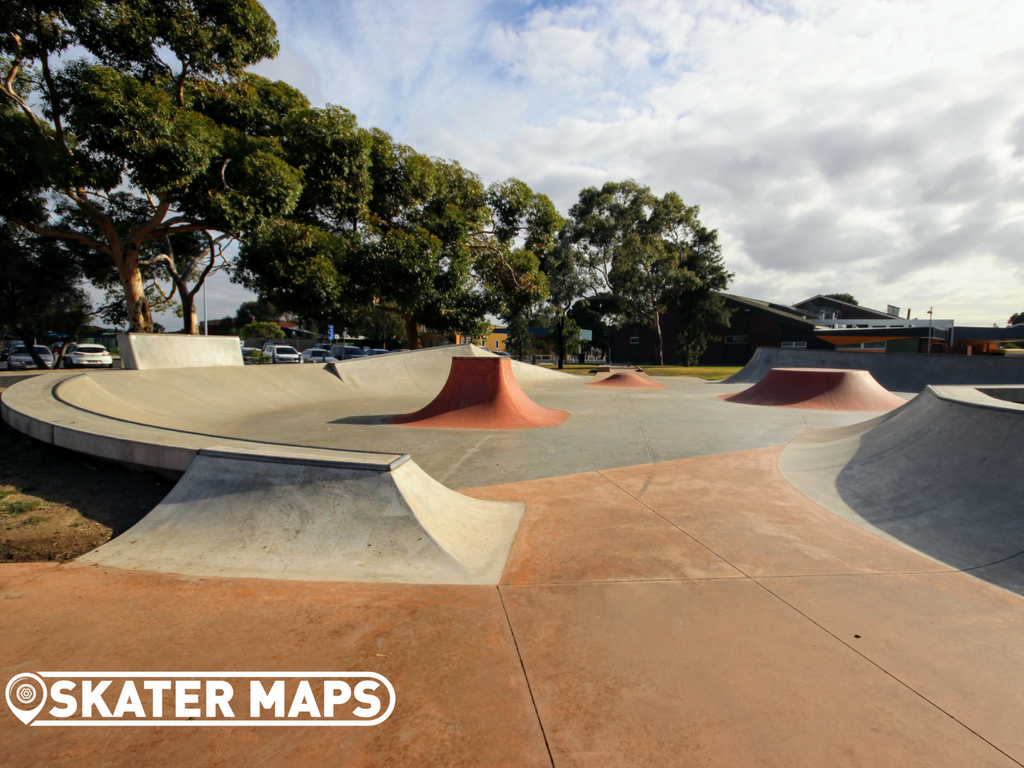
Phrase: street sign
(330, 333)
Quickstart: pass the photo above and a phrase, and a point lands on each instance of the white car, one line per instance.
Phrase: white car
(87, 356)
(280, 353)
(318, 356)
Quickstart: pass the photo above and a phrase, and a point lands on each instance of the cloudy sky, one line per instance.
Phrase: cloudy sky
(837, 145)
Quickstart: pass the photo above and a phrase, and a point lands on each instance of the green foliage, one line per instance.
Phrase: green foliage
(479, 331)
(378, 326)
(1016, 319)
(261, 330)
(520, 340)
(39, 287)
(259, 310)
(847, 297)
(226, 327)
(15, 508)
(196, 145)
(651, 252)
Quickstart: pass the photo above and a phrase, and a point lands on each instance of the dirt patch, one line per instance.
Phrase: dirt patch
(57, 505)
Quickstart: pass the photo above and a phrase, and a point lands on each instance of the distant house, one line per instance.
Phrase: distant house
(757, 323)
(754, 323)
(827, 308)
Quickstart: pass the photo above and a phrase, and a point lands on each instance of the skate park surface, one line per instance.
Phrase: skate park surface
(688, 582)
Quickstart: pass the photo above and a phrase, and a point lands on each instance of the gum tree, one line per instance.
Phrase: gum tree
(650, 252)
(105, 100)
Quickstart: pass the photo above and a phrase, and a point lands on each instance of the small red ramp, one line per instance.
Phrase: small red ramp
(836, 389)
(482, 393)
(628, 379)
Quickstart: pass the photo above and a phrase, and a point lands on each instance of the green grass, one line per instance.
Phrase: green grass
(33, 520)
(707, 372)
(15, 508)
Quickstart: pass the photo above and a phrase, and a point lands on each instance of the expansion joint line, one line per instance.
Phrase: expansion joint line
(526, 677)
(469, 453)
(643, 435)
(827, 631)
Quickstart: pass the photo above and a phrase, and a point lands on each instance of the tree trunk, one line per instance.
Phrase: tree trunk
(188, 312)
(560, 335)
(657, 332)
(412, 331)
(28, 338)
(140, 318)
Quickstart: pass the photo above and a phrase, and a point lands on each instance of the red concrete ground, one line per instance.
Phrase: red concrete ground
(692, 613)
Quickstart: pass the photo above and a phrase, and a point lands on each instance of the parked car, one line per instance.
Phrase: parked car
(376, 351)
(87, 356)
(247, 355)
(317, 355)
(5, 351)
(275, 352)
(20, 359)
(500, 353)
(324, 345)
(343, 353)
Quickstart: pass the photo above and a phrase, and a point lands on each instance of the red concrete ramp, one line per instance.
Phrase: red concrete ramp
(482, 393)
(624, 380)
(820, 389)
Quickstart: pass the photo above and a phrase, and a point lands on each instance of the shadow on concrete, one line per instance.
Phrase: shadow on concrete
(372, 419)
(947, 480)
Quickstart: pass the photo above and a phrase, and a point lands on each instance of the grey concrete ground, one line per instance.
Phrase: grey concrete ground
(941, 475)
(607, 429)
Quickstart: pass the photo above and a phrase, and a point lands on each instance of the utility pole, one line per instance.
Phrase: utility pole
(206, 316)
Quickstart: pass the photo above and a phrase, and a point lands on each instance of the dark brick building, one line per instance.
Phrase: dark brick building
(753, 324)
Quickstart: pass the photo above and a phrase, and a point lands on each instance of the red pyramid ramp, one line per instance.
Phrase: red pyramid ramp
(482, 393)
(835, 389)
(624, 380)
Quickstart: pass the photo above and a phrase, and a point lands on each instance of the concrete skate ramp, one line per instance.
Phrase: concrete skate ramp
(818, 388)
(482, 393)
(202, 399)
(895, 372)
(257, 514)
(941, 475)
(161, 418)
(624, 380)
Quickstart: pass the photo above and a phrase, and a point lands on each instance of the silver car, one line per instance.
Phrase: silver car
(318, 356)
(21, 360)
(280, 353)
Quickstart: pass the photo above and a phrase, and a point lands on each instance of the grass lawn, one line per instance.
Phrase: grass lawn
(708, 372)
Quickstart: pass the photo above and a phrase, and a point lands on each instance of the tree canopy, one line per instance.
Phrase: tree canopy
(40, 290)
(651, 252)
(127, 121)
(135, 140)
(847, 297)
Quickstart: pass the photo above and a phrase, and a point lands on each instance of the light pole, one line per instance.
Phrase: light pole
(929, 330)
(206, 317)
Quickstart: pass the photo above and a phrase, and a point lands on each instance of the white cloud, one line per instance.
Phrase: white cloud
(864, 145)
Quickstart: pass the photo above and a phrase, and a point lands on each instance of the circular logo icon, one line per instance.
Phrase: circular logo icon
(26, 695)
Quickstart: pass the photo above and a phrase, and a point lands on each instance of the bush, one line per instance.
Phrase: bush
(261, 331)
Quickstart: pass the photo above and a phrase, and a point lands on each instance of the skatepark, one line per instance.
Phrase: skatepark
(819, 561)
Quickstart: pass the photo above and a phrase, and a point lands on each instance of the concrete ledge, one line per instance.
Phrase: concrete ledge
(150, 351)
